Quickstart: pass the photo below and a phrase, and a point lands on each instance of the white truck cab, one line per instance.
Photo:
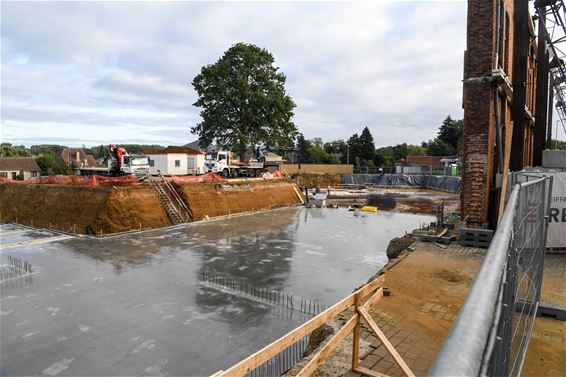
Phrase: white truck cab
(133, 165)
(227, 164)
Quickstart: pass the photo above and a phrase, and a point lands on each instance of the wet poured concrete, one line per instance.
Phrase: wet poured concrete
(136, 304)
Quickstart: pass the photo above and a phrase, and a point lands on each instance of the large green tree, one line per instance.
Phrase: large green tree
(450, 131)
(366, 145)
(303, 147)
(243, 101)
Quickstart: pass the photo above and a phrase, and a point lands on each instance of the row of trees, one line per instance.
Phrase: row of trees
(360, 149)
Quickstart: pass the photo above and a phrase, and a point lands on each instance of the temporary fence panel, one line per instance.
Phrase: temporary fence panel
(557, 213)
(492, 331)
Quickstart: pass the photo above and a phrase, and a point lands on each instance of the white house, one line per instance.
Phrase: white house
(21, 168)
(177, 161)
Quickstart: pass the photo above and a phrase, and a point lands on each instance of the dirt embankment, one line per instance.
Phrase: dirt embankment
(106, 209)
(321, 180)
(76, 208)
(219, 199)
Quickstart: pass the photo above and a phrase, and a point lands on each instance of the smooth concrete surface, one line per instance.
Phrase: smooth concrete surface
(136, 304)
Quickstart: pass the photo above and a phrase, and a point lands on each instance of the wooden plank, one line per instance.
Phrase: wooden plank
(356, 338)
(330, 346)
(373, 299)
(266, 353)
(299, 195)
(370, 287)
(368, 372)
(388, 346)
(506, 159)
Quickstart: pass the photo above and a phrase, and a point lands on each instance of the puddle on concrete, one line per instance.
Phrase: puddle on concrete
(136, 304)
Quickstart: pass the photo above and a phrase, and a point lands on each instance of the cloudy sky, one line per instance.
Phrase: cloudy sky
(99, 72)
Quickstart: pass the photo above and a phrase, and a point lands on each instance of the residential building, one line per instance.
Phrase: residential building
(18, 168)
(76, 157)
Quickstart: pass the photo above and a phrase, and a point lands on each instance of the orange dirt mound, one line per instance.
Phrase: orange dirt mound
(322, 180)
(104, 210)
(219, 199)
(74, 208)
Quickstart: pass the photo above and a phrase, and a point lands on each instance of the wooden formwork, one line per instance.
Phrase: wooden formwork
(362, 299)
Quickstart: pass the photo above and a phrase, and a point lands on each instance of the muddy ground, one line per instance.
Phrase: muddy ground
(412, 200)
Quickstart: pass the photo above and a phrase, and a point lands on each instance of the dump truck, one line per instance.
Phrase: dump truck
(119, 164)
(228, 164)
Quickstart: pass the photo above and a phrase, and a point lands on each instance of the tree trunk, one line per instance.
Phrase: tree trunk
(242, 152)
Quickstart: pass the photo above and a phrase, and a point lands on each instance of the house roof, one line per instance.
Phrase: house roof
(75, 155)
(18, 163)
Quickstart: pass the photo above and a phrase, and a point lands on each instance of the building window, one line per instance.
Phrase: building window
(177, 163)
(34, 174)
(14, 175)
(151, 163)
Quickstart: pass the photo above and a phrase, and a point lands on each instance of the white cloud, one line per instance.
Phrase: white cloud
(77, 67)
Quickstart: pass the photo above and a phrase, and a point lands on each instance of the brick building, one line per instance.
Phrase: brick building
(500, 75)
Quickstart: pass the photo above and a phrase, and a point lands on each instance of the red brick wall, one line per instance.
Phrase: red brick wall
(479, 121)
(428, 161)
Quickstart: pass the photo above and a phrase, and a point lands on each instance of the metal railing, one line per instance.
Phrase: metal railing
(492, 331)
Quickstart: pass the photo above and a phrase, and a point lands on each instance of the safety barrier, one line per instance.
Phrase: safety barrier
(79, 180)
(187, 179)
(491, 333)
(361, 300)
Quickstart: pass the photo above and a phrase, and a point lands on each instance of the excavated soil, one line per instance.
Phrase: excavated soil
(82, 209)
(320, 180)
(220, 199)
(112, 209)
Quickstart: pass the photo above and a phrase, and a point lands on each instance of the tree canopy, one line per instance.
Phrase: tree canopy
(8, 150)
(243, 101)
(366, 146)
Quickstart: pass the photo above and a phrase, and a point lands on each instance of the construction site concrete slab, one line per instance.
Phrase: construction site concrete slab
(137, 304)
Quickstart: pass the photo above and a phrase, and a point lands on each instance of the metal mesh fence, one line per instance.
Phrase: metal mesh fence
(492, 332)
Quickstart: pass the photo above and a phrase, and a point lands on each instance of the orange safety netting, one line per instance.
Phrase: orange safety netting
(80, 180)
(208, 177)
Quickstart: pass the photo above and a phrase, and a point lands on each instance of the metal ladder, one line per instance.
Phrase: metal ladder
(175, 207)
